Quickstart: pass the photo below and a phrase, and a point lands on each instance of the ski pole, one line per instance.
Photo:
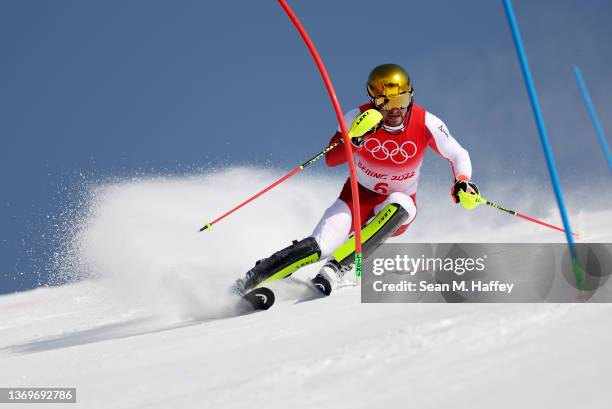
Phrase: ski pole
(278, 182)
(366, 121)
(472, 200)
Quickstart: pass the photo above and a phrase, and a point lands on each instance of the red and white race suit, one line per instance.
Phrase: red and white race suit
(388, 167)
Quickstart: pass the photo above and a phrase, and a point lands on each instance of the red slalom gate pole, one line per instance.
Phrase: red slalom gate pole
(347, 141)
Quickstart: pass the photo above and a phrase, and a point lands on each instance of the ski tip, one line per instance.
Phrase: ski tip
(260, 298)
(322, 285)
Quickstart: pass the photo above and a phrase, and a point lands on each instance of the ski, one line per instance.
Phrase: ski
(260, 298)
(322, 285)
(263, 298)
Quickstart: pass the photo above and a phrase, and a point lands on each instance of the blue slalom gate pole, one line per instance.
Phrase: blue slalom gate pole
(552, 169)
(589, 104)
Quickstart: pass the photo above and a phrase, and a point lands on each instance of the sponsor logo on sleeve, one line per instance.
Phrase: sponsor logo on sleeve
(443, 130)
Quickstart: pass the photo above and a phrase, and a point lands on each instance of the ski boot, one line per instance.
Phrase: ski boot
(279, 265)
(330, 276)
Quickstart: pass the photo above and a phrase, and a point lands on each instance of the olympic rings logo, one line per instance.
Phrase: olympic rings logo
(391, 150)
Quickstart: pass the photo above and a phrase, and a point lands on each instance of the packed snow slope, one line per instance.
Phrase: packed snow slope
(149, 324)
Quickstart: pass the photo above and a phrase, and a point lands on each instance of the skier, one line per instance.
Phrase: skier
(388, 161)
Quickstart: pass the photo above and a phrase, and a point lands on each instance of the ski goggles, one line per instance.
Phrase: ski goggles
(387, 103)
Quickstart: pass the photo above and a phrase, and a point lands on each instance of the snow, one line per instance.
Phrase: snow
(148, 322)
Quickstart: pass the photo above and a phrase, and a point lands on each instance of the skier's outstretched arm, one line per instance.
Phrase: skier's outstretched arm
(446, 146)
(441, 141)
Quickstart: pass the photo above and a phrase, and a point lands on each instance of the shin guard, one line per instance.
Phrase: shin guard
(373, 234)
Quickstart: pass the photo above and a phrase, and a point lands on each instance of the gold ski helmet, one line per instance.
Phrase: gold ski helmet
(389, 87)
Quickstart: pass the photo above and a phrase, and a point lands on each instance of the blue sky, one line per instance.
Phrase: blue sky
(90, 90)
